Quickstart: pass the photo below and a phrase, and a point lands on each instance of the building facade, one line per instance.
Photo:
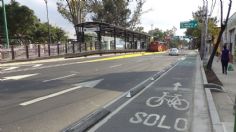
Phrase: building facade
(229, 36)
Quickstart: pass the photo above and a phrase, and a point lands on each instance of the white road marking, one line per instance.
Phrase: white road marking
(10, 68)
(49, 96)
(103, 121)
(63, 77)
(90, 84)
(37, 65)
(115, 66)
(18, 77)
(177, 85)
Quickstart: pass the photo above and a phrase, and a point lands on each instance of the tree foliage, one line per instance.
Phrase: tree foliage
(24, 27)
(20, 20)
(160, 35)
(195, 33)
(72, 10)
(115, 12)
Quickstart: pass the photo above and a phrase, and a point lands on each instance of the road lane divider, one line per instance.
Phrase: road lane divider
(37, 65)
(10, 68)
(118, 109)
(114, 66)
(49, 96)
(59, 78)
(87, 121)
(18, 77)
(141, 86)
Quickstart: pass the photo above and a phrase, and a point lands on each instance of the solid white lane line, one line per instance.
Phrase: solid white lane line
(37, 65)
(103, 121)
(17, 77)
(63, 77)
(49, 96)
(10, 68)
(115, 66)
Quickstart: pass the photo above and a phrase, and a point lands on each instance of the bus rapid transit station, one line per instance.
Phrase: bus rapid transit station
(98, 36)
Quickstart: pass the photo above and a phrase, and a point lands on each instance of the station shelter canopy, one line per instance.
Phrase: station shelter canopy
(109, 37)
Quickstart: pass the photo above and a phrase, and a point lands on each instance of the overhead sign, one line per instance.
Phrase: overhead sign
(188, 24)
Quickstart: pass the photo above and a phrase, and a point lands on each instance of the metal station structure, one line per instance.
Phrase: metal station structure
(109, 37)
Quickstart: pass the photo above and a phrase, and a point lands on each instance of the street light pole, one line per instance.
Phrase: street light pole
(5, 25)
(49, 34)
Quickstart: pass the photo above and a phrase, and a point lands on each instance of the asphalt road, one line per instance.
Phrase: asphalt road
(164, 106)
(47, 97)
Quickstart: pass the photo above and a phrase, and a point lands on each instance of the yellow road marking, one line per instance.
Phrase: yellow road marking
(125, 56)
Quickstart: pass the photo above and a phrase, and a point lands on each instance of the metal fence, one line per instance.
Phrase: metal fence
(39, 51)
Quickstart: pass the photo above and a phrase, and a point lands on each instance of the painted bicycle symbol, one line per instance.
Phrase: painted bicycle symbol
(172, 100)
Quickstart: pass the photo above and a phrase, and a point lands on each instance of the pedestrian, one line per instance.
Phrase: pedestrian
(225, 59)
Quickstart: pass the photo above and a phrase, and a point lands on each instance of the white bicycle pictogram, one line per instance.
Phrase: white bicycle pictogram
(172, 100)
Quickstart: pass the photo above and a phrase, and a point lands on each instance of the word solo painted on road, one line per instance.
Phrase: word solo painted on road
(157, 120)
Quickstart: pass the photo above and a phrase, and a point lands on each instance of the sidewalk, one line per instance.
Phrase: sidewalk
(225, 101)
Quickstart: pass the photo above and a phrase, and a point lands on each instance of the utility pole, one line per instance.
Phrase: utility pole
(204, 29)
(5, 25)
(206, 32)
(49, 34)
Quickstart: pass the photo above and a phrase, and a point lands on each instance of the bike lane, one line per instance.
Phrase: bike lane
(165, 106)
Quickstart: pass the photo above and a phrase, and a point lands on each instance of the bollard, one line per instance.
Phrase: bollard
(27, 51)
(58, 52)
(39, 51)
(85, 44)
(91, 46)
(66, 48)
(49, 50)
(73, 47)
(12, 52)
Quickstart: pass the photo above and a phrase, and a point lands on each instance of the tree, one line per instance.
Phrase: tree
(40, 33)
(195, 33)
(115, 12)
(73, 11)
(24, 27)
(139, 29)
(21, 20)
(157, 33)
(223, 23)
(110, 11)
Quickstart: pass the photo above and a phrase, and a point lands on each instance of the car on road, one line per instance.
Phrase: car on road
(173, 51)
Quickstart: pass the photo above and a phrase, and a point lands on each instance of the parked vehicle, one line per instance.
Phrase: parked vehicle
(173, 51)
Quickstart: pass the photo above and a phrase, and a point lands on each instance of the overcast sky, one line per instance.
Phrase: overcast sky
(164, 14)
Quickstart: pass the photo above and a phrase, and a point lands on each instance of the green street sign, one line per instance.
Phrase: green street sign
(188, 24)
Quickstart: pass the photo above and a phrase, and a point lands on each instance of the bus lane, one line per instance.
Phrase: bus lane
(165, 106)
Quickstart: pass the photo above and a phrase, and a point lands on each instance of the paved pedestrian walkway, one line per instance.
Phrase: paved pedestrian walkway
(224, 101)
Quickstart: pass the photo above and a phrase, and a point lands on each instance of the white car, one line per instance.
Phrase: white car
(173, 51)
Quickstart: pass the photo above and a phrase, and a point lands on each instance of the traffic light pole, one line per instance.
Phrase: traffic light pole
(5, 25)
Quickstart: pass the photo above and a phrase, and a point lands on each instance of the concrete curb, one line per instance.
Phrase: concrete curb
(87, 121)
(217, 126)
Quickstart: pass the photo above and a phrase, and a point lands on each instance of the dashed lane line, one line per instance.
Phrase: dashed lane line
(49, 96)
(10, 68)
(58, 78)
(114, 66)
(37, 65)
(96, 60)
(103, 121)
